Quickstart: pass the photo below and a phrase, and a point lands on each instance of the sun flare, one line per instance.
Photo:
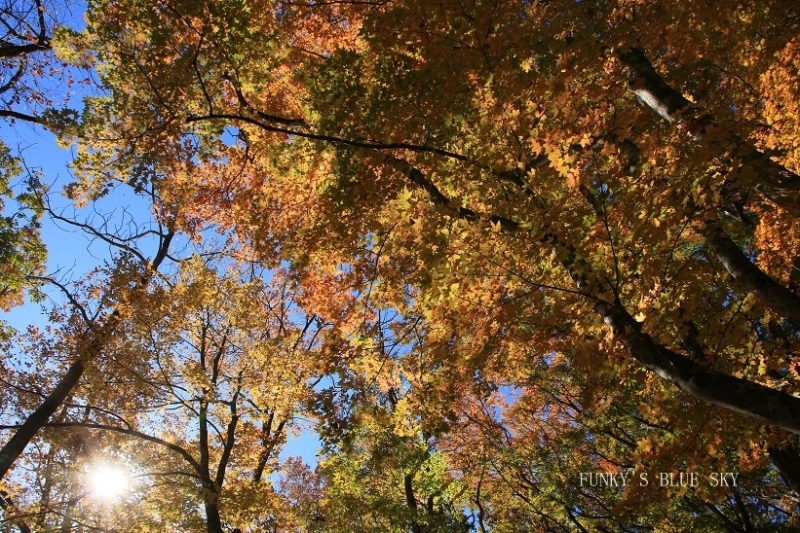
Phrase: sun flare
(107, 482)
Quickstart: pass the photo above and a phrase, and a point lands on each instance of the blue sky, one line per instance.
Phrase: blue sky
(71, 253)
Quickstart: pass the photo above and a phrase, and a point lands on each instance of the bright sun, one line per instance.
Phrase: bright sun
(107, 482)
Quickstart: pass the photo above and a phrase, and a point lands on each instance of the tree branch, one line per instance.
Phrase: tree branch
(16, 50)
(20, 116)
(132, 433)
(327, 138)
(230, 440)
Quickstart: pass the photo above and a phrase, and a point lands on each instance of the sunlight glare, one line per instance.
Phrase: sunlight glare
(108, 482)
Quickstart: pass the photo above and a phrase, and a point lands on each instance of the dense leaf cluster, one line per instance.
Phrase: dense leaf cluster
(487, 251)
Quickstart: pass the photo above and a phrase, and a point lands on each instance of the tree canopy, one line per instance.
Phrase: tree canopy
(489, 251)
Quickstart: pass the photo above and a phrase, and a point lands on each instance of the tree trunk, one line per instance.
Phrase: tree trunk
(786, 458)
(213, 520)
(771, 293)
(746, 397)
(411, 501)
(37, 420)
(752, 168)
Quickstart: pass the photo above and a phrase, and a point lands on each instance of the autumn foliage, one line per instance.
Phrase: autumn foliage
(480, 248)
